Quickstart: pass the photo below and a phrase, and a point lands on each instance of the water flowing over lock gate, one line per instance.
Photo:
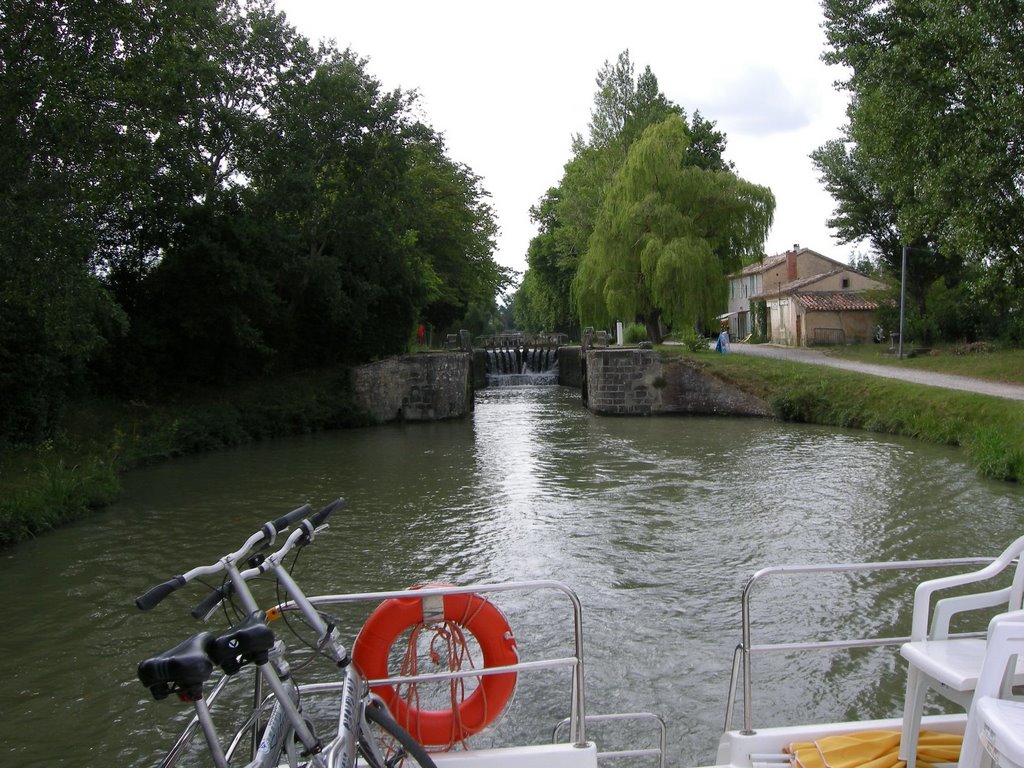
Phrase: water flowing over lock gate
(521, 359)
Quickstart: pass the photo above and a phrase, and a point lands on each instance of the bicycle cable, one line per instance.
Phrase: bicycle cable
(315, 647)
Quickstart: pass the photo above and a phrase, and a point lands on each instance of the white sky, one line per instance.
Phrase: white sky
(509, 84)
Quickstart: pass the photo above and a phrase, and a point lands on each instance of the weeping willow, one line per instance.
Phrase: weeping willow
(667, 235)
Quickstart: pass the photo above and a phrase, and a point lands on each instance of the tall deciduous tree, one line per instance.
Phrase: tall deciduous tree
(935, 141)
(667, 234)
(389, 228)
(624, 106)
(455, 229)
(55, 109)
(866, 210)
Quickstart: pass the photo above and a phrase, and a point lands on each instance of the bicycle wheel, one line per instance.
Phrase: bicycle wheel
(405, 750)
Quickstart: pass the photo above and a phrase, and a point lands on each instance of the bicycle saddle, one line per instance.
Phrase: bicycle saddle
(249, 640)
(182, 670)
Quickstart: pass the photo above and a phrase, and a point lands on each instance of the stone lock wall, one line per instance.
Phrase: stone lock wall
(622, 381)
(423, 387)
(614, 381)
(635, 382)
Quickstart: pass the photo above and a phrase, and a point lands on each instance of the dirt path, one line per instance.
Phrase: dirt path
(948, 381)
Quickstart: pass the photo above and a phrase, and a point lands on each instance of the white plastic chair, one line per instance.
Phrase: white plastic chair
(995, 725)
(950, 666)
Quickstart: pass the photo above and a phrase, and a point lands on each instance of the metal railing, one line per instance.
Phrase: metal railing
(574, 662)
(632, 717)
(742, 657)
(576, 720)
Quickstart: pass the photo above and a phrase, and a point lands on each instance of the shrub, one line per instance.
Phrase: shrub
(694, 342)
(635, 333)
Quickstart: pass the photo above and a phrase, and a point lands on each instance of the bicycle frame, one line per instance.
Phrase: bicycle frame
(353, 729)
(269, 674)
(342, 752)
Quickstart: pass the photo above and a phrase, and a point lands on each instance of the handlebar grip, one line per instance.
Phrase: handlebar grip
(212, 600)
(318, 518)
(158, 593)
(296, 514)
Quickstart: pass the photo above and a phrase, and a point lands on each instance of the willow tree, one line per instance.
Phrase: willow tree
(666, 236)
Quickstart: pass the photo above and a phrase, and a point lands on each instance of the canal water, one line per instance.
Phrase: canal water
(655, 522)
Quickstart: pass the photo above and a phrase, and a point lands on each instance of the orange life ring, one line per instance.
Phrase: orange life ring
(474, 614)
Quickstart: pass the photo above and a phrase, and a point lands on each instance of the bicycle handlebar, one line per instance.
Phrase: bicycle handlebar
(212, 600)
(285, 521)
(298, 538)
(266, 534)
(153, 596)
(317, 519)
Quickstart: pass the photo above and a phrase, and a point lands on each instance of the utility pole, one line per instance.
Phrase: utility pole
(903, 297)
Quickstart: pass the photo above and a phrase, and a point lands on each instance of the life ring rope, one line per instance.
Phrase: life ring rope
(449, 645)
(456, 651)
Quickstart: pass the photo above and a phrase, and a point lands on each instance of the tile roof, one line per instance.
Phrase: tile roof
(769, 262)
(833, 301)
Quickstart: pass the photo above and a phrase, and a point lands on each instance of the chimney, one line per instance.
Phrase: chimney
(791, 265)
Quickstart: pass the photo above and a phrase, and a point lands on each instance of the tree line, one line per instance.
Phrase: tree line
(192, 193)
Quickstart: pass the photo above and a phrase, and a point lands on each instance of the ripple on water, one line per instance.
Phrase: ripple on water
(657, 523)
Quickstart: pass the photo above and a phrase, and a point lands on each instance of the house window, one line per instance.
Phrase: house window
(846, 282)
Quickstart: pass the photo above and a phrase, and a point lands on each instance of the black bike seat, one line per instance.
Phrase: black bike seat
(248, 641)
(182, 669)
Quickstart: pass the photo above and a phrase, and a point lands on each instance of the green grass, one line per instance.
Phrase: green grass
(989, 429)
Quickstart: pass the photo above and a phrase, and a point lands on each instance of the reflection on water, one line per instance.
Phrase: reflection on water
(656, 522)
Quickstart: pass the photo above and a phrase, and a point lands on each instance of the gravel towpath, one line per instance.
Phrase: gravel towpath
(947, 381)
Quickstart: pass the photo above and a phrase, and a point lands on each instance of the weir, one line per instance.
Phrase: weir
(522, 359)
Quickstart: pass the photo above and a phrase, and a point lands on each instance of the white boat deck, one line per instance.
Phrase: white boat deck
(533, 756)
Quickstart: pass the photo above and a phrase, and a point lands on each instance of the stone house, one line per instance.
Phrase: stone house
(810, 299)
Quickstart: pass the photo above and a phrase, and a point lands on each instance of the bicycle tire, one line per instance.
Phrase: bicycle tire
(412, 751)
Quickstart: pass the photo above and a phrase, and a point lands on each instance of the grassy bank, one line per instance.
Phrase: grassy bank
(63, 479)
(989, 429)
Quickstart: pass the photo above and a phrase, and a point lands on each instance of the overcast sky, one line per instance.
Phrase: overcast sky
(510, 83)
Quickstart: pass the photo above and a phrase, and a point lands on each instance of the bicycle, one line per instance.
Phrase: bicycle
(187, 667)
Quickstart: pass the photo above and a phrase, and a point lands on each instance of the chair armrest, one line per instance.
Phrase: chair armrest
(925, 590)
(948, 607)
